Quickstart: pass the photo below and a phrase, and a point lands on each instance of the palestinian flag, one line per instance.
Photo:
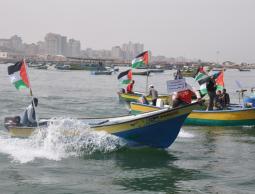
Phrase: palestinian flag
(220, 81)
(203, 90)
(140, 60)
(201, 76)
(125, 77)
(18, 75)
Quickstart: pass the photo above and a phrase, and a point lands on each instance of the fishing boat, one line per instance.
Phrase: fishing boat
(134, 97)
(62, 67)
(188, 71)
(235, 116)
(157, 129)
(243, 69)
(107, 72)
(156, 70)
(141, 73)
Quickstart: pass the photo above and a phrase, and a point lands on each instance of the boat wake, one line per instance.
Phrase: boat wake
(63, 138)
(185, 134)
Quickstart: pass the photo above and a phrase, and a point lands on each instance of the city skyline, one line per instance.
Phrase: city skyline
(58, 44)
(211, 30)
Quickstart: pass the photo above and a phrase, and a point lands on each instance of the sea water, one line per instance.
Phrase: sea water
(201, 160)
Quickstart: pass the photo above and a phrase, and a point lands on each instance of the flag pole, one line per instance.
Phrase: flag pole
(147, 76)
(31, 92)
(147, 80)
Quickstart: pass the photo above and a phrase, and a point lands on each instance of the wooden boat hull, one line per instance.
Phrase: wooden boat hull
(238, 117)
(155, 129)
(134, 97)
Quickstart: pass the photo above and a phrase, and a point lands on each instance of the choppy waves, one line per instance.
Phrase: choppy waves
(63, 138)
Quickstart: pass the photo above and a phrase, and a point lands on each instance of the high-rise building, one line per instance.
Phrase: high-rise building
(74, 48)
(41, 47)
(5, 43)
(13, 44)
(131, 50)
(64, 46)
(117, 52)
(55, 44)
(16, 43)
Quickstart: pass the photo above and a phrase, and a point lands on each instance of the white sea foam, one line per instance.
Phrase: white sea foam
(61, 139)
(184, 134)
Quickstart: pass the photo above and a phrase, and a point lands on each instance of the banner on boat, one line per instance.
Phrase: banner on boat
(176, 85)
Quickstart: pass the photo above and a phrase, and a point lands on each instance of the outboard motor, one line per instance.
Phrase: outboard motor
(249, 101)
(11, 121)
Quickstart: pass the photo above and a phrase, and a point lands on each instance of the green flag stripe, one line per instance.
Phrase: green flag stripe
(200, 76)
(127, 81)
(20, 84)
(137, 64)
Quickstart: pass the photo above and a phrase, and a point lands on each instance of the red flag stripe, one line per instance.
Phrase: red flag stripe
(23, 74)
(220, 79)
(129, 75)
(146, 57)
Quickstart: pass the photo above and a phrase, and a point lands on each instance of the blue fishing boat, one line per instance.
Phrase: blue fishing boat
(157, 129)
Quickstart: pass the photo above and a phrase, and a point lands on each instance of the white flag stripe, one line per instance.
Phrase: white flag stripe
(15, 77)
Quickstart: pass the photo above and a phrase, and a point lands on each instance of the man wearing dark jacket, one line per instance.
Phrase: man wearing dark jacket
(211, 89)
(28, 117)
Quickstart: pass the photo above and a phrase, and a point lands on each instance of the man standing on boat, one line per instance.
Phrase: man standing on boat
(154, 95)
(28, 118)
(211, 89)
(226, 98)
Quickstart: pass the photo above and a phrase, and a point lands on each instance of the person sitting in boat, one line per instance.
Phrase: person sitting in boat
(226, 98)
(143, 100)
(28, 117)
(219, 100)
(185, 97)
(130, 87)
(154, 95)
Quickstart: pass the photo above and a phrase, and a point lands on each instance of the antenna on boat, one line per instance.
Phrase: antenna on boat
(241, 91)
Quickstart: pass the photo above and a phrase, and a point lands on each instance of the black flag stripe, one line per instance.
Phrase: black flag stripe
(14, 68)
(122, 74)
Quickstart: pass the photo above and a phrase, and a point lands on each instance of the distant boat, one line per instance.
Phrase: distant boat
(42, 67)
(116, 69)
(88, 67)
(141, 73)
(243, 69)
(188, 72)
(38, 66)
(102, 72)
(62, 67)
(219, 69)
(156, 70)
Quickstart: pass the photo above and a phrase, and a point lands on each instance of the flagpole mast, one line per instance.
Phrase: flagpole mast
(147, 78)
(31, 92)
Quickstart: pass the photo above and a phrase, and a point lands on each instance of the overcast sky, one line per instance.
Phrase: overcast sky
(189, 28)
